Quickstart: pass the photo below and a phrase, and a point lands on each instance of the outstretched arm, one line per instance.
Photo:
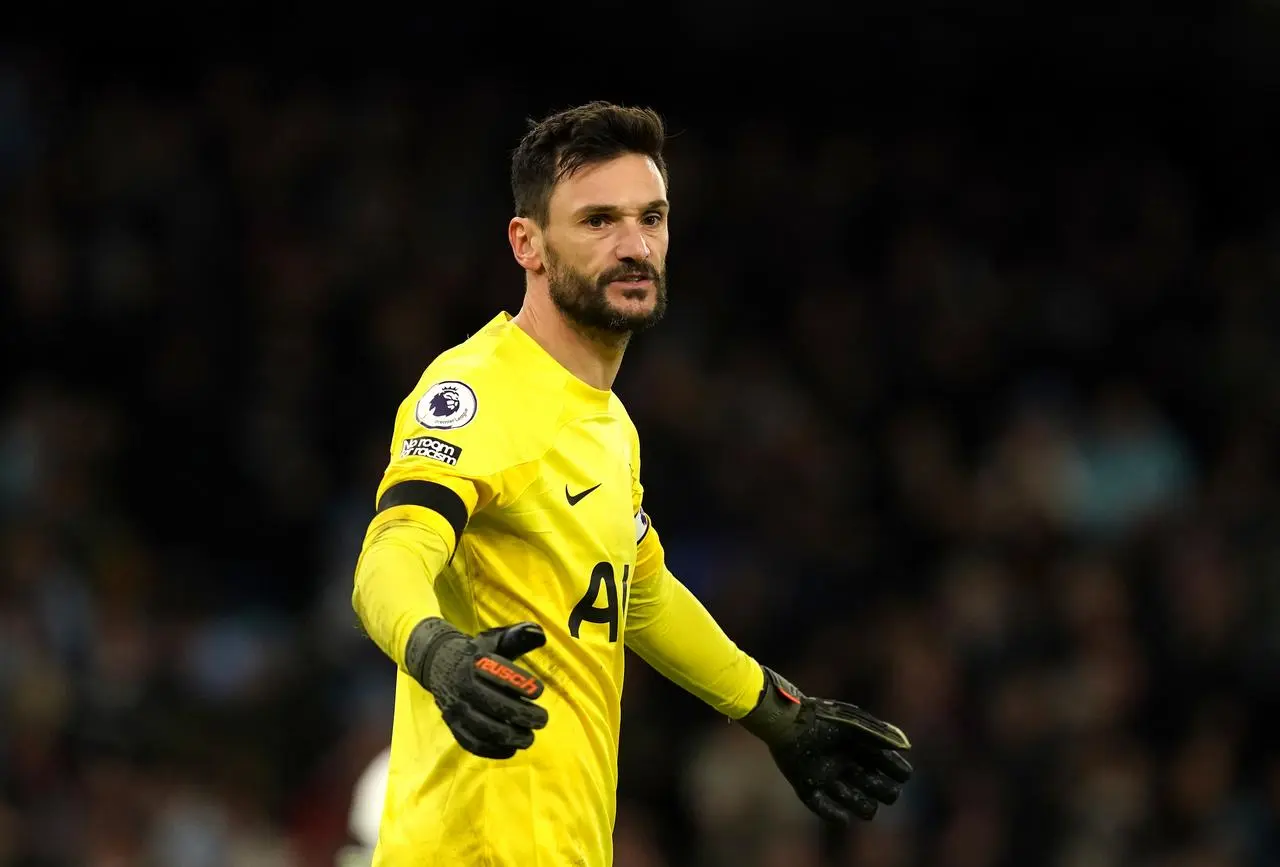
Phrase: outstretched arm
(841, 761)
(672, 631)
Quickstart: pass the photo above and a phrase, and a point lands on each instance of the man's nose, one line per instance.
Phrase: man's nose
(633, 244)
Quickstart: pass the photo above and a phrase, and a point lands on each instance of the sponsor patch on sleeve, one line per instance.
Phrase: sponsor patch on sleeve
(430, 447)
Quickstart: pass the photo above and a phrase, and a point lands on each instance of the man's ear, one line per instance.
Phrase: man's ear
(525, 237)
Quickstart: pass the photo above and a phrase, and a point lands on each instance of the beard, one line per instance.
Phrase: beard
(584, 300)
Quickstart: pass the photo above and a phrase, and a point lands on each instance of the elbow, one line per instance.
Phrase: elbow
(359, 595)
(363, 598)
(356, 607)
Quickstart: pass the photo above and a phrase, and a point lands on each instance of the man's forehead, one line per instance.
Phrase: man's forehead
(629, 180)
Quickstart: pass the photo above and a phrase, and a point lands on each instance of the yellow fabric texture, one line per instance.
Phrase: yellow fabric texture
(547, 470)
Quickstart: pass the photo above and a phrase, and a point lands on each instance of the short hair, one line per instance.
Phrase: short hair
(560, 145)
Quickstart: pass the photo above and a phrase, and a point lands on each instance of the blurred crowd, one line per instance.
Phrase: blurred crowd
(971, 425)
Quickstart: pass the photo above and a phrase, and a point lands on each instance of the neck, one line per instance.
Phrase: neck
(591, 355)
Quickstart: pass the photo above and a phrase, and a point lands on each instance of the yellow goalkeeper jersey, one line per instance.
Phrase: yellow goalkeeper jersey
(532, 478)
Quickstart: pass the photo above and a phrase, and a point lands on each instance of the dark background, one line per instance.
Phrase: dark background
(965, 409)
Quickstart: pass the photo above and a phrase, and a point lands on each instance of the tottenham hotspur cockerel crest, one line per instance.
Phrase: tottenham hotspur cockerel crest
(446, 405)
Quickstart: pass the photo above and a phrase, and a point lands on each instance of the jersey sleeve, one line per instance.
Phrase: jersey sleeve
(451, 454)
(453, 451)
(649, 555)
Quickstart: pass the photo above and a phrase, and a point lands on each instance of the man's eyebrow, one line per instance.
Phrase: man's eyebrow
(655, 205)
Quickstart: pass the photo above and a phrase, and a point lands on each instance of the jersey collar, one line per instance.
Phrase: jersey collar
(530, 355)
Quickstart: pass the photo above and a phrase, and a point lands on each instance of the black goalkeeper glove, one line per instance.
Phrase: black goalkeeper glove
(487, 701)
(841, 760)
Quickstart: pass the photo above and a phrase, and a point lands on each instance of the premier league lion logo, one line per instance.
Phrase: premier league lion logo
(446, 405)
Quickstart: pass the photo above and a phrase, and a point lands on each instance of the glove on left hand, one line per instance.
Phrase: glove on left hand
(841, 760)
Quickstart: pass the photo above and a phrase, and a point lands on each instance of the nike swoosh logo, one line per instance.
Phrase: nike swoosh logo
(574, 498)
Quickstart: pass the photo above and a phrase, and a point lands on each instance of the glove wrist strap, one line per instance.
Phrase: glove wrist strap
(423, 644)
(776, 711)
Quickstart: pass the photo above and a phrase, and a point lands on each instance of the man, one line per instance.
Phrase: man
(511, 560)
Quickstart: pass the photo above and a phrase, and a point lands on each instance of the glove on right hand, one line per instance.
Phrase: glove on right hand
(486, 700)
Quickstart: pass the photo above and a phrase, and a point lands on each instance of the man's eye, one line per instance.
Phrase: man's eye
(653, 219)
(597, 221)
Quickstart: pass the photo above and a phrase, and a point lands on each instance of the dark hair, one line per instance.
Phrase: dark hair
(558, 146)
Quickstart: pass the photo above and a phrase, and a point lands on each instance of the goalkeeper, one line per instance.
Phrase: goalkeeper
(510, 560)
